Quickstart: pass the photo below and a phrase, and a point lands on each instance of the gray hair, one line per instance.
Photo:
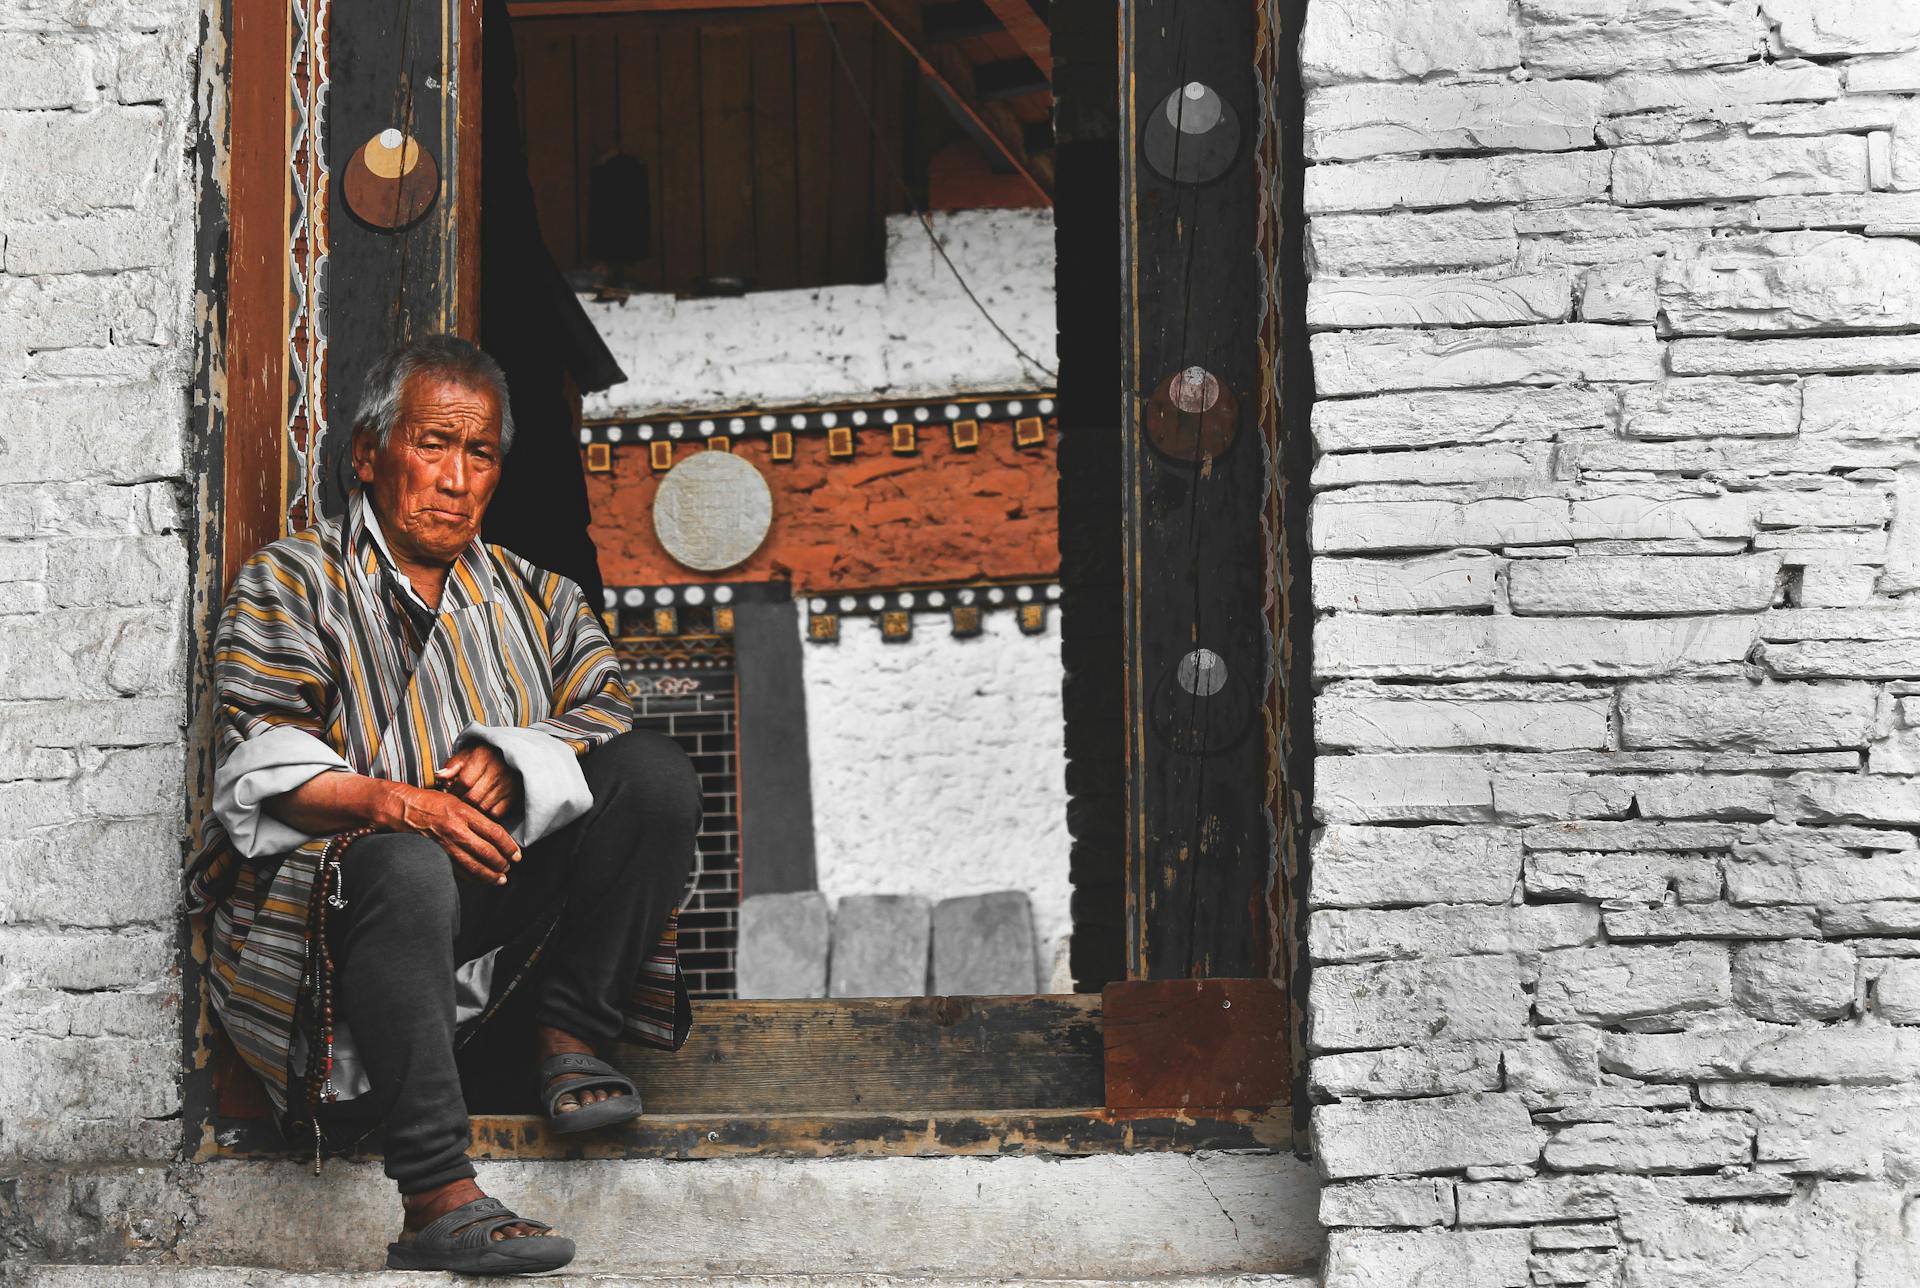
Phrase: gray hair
(444, 357)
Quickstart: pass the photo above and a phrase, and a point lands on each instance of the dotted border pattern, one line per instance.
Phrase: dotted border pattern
(925, 413)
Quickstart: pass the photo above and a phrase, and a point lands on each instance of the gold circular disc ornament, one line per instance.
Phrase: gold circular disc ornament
(391, 181)
(1192, 416)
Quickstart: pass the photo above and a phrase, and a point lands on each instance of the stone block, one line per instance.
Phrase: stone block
(77, 163)
(1700, 91)
(1431, 584)
(1439, 417)
(1599, 1198)
(1536, 717)
(784, 944)
(121, 571)
(1842, 506)
(1896, 992)
(1407, 1204)
(1431, 1069)
(1871, 407)
(1810, 870)
(1606, 985)
(1793, 981)
(1359, 245)
(880, 946)
(1833, 585)
(1447, 1133)
(1414, 789)
(49, 433)
(1406, 39)
(1358, 867)
(1632, 835)
(1734, 168)
(1619, 293)
(1880, 1055)
(1479, 464)
(1643, 585)
(1396, 1003)
(1707, 796)
(1709, 921)
(1540, 798)
(1426, 184)
(1710, 408)
(1430, 1258)
(1446, 930)
(1706, 356)
(1439, 301)
(1793, 281)
(1600, 37)
(1622, 878)
(1771, 717)
(1359, 122)
(1685, 1142)
(1432, 518)
(1827, 27)
(1877, 214)
(1368, 362)
(983, 945)
(1873, 660)
(104, 241)
(1514, 647)
(1558, 1065)
(1852, 798)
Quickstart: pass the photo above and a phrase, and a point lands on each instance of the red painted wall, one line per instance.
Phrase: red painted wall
(871, 521)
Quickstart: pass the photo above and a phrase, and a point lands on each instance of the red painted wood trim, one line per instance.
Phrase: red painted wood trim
(1196, 1044)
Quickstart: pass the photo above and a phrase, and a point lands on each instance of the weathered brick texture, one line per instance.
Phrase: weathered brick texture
(1616, 897)
(96, 298)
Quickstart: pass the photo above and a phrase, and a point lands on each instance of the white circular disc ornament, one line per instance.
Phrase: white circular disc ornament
(712, 511)
(1202, 672)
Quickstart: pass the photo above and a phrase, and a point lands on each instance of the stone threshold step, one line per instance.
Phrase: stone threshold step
(72, 1276)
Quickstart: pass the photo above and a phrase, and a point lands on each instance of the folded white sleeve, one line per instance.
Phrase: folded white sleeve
(553, 790)
(260, 768)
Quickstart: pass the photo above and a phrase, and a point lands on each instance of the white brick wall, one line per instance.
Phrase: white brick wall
(96, 299)
(1616, 897)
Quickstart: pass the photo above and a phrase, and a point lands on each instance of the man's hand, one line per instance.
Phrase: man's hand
(479, 847)
(480, 776)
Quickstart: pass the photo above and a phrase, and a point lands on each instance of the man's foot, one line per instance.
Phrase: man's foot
(549, 1042)
(428, 1206)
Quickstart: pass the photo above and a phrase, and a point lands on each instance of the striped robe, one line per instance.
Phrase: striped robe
(319, 664)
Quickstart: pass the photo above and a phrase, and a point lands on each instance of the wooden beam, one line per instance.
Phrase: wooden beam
(953, 76)
(1028, 29)
(580, 8)
(1196, 1045)
(1008, 78)
(958, 20)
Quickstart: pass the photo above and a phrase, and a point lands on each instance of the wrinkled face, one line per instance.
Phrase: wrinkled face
(432, 481)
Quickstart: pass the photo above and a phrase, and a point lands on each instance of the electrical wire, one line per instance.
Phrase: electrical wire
(873, 128)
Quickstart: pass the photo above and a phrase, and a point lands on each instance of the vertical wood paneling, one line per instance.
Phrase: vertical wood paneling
(546, 104)
(596, 106)
(726, 162)
(637, 80)
(776, 214)
(852, 181)
(814, 75)
(681, 229)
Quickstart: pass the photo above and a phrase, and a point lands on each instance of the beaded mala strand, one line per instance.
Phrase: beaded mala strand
(326, 894)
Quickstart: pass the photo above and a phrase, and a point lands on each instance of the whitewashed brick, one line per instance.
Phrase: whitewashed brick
(1801, 546)
(1357, 122)
(1622, 878)
(1865, 353)
(1431, 1259)
(1619, 293)
(1852, 799)
(1890, 917)
(1879, 622)
(1437, 418)
(1873, 407)
(1356, 867)
(1540, 798)
(1875, 213)
(1701, 91)
(1448, 930)
(1591, 1198)
(1367, 717)
(1430, 1069)
(97, 242)
(1439, 301)
(1881, 660)
(1840, 505)
(1875, 1056)
(1378, 361)
(1381, 788)
(1517, 462)
(1665, 1143)
(1706, 796)
(1406, 39)
(1474, 647)
(1738, 168)
(1406, 1204)
(1436, 519)
(1794, 981)
(50, 434)
(1606, 985)
(1396, 1003)
(45, 71)
(92, 873)
(1416, 185)
(1833, 1131)
(120, 571)
(1774, 717)
(1708, 921)
(77, 163)
(1890, 72)
(1833, 585)
(1598, 37)
(1710, 409)
(1434, 583)
(1632, 836)
(1844, 26)
(1358, 245)
(1442, 1134)
(1643, 585)
(1793, 281)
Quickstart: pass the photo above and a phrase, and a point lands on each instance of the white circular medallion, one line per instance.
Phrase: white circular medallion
(712, 511)
(1202, 672)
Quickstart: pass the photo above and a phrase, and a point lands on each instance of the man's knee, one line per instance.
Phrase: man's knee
(404, 870)
(647, 775)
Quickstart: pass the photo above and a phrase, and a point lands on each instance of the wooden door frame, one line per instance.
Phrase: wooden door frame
(265, 215)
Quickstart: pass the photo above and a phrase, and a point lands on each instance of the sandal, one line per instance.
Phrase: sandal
(601, 1113)
(462, 1241)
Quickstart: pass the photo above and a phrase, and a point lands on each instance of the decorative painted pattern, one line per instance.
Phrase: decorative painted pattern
(955, 412)
(309, 181)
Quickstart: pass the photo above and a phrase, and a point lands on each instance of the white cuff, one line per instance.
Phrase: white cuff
(262, 767)
(553, 790)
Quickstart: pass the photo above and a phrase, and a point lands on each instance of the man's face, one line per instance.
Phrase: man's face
(432, 481)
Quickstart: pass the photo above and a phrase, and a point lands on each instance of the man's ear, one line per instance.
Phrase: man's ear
(364, 447)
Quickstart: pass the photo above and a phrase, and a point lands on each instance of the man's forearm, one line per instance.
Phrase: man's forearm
(338, 801)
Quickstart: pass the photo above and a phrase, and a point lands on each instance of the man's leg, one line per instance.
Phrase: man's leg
(623, 866)
(394, 945)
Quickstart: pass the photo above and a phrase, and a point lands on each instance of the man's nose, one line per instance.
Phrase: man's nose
(453, 474)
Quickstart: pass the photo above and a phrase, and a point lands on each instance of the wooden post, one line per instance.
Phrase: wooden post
(1196, 469)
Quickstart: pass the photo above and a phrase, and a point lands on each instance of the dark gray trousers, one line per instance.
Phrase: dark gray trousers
(616, 873)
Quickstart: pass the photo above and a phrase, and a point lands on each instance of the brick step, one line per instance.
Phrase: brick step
(1102, 1217)
(72, 1276)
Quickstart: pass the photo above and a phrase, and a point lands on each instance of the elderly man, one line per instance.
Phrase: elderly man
(429, 798)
